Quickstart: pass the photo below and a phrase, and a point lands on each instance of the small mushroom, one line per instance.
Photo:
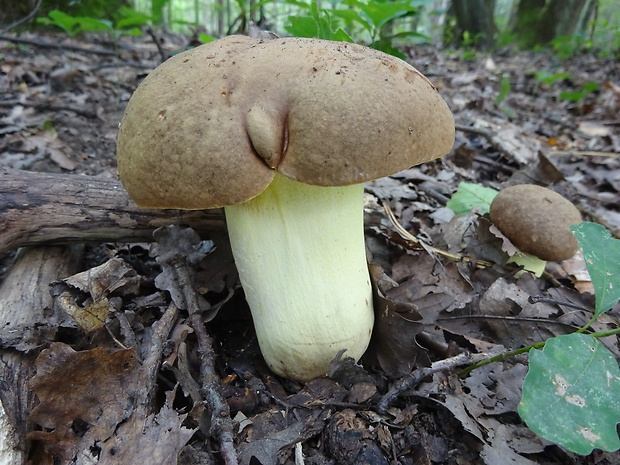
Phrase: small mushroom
(536, 220)
(283, 133)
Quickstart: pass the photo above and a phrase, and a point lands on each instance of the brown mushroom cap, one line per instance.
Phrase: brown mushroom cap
(537, 221)
(211, 126)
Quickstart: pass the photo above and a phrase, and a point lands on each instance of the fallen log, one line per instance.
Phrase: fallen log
(44, 208)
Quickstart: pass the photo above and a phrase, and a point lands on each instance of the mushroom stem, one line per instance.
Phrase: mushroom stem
(301, 258)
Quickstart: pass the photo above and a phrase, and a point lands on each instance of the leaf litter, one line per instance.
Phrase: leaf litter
(126, 387)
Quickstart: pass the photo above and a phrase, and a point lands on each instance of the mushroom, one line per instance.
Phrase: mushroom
(537, 220)
(282, 134)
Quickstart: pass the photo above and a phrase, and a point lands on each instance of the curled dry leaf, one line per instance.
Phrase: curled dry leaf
(112, 277)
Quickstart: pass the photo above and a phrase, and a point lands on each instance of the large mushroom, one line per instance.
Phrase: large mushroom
(283, 134)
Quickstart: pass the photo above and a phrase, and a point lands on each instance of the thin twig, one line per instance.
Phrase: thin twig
(57, 45)
(22, 20)
(218, 409)
(162, 53)
(402, 232)
(416, 376)
(582, 153)
(221, 424)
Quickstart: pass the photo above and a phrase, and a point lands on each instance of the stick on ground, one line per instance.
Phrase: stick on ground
(41, 208)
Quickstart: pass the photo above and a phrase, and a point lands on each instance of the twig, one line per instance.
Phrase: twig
(220, 421)
(47, 105)
(57, 45)
(161, 328)
(162, 52)
(221, 424)
(402, 232)
(416, 376)
(22, 20)
(582, 153)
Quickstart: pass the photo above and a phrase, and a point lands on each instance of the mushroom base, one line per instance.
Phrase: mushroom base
(300, 253)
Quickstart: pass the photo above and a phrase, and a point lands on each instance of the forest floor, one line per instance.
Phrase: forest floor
(61, 102)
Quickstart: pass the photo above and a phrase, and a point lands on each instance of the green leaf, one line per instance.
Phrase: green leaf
(575, 96)
(301, 26)
(571, 394)
(469, 196)
(380, 13)
(342, 36)
(298, 3)
(602, 255)
(386, 46)
(352, 16)
(205, 39)
(62, 20)
(547, 77)
(504, 89)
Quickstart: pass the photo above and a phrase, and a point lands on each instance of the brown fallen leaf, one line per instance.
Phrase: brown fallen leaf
(153, 439)
(393, 346)
(83, 396)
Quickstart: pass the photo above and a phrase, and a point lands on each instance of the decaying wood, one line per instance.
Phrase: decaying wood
(25, 305)
(41, 208)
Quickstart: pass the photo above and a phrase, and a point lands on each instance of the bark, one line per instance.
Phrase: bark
(474, 18)
(25, 306)
(538, 22)
(39, 208)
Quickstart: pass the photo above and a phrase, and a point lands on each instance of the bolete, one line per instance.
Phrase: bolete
(537, 221)
(282, 134)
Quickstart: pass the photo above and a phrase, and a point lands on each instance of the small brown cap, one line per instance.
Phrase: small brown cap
(212, 125)
(536, 220)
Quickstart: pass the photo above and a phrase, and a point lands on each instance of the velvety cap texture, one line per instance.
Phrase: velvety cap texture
(537, 220)
(211, 126)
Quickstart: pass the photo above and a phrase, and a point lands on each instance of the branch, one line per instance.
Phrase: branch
(22, 20)
(41, 208)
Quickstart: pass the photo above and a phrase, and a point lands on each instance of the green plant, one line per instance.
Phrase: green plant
(374, 18)
(579, 95)
(569, 46)
(547, 77)
(504, 91)
(126, 21)
(320, 24)
(571, 393)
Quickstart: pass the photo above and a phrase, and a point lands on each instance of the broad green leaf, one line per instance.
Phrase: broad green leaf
(602, 255)
(205, 39)
(298, 3)
(132, 18)
(401, 35)
(470, 195)
(574, 96)
(379, 13)
(302, 26)
(386, 46)
(62, 20)
(549, 78)
(342, 36)
(93, 24)
(354, 16)
(571, 394)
